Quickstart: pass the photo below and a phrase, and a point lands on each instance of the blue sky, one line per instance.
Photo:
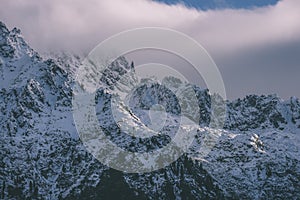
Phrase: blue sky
(217, 4)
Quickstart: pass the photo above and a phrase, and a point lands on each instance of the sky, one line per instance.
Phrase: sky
(220, 4)
(256, 45)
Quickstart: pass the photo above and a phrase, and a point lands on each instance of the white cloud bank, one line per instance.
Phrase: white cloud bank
(82, 24)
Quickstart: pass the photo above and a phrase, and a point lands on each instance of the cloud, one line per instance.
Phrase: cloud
(228, 34)
(82, 24)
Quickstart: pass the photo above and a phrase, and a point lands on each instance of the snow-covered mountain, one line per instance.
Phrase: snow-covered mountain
(41, 156)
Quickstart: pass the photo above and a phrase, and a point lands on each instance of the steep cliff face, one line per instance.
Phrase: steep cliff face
(256, 155)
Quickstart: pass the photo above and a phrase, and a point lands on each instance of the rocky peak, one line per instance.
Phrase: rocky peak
(12, 43)
(16, 57)
(3, 30)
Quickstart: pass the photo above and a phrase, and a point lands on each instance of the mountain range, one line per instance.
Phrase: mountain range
(256, 156)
